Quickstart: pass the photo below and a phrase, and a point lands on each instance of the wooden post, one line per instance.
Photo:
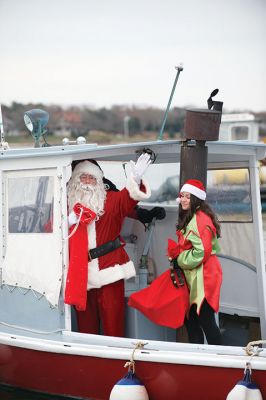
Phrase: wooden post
(193, 162)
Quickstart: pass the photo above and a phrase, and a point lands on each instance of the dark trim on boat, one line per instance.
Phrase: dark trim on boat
(24, 394)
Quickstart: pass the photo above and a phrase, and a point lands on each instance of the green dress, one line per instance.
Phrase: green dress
(200, 264)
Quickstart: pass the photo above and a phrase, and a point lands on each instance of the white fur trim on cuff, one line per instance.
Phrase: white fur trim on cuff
(134, 189)
(97, 279)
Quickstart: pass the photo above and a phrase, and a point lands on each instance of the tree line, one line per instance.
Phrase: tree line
(81, 120)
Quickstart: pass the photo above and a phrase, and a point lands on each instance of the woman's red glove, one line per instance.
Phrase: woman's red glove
(173, 249)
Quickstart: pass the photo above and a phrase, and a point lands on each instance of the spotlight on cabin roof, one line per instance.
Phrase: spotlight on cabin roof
(35, 120)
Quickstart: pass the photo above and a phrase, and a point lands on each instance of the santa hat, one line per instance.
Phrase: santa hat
(194, 187)
(87, 167)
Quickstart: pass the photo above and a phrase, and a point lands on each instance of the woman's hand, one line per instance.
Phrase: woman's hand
(173, 249)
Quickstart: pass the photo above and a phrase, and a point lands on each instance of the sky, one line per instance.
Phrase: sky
(123, 52)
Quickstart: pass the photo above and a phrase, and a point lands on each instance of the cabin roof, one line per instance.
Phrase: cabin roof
(166, 151)
(238, 117)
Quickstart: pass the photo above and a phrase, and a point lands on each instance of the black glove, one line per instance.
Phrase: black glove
(158, 212)
(146, 216)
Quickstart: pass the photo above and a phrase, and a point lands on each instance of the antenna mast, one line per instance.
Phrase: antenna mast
(179, 68)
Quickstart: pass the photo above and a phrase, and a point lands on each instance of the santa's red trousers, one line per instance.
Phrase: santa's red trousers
(105, 311)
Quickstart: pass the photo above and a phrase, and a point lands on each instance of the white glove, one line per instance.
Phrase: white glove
(139, 168)
(72, 219)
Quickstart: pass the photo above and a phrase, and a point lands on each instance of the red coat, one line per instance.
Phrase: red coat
(115, 265)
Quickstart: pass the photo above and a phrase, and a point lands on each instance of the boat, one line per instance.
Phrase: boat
(40, 347)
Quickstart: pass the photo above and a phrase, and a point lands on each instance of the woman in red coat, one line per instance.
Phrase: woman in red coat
(197, 230)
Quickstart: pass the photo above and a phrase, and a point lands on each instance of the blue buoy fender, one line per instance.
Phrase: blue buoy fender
(245, 389)
(130, 388)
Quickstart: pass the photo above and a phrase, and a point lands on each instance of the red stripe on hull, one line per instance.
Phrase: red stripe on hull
(93, 378)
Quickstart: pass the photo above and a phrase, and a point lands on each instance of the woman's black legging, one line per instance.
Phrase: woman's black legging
(204, 322)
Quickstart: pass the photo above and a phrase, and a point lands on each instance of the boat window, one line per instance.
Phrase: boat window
(116, 172)
(229, 194)
(30, 204)
(228, 190)
(240, 132)
(163, 179)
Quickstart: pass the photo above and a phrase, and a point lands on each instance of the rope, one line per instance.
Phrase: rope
(31, 330)
(251, 351)
(76, 226)
(25, 291)
(131, 364)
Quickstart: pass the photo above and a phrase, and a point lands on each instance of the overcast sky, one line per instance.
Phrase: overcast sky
(105, 52)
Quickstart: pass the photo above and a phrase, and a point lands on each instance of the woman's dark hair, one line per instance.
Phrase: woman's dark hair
(184, 216)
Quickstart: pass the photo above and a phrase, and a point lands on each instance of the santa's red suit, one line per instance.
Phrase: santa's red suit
(106, 274)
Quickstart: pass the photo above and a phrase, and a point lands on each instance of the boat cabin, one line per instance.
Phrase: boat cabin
(34, 235)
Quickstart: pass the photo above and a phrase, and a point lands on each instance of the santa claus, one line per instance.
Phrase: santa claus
(98, 262)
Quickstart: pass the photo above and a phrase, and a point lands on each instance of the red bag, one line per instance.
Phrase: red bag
(162, 302)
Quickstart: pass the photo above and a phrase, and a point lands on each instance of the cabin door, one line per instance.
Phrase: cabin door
(32, 236)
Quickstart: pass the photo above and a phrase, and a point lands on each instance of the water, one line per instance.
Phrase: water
(7, 393)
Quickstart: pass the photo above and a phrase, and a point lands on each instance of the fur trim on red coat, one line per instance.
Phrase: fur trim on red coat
(135, 191)
(98, 278)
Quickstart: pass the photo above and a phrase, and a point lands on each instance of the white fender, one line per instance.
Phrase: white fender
(129, 388)
(245, 390)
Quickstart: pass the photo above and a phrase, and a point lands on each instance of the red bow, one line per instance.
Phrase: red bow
(173, 249)
(86, 214)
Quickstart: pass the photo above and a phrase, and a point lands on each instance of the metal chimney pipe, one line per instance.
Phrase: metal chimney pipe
(201, 125)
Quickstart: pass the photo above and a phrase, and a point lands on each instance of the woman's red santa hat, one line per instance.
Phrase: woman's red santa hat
(195, 187)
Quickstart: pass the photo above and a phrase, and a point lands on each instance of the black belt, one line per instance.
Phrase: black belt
(104, 248)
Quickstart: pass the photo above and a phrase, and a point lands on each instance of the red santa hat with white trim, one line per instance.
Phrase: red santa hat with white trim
(87, 167)
(195, 187)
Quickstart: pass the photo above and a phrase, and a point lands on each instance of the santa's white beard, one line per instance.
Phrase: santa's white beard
(91, 196)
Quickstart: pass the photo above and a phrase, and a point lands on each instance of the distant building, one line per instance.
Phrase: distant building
(242, 126)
